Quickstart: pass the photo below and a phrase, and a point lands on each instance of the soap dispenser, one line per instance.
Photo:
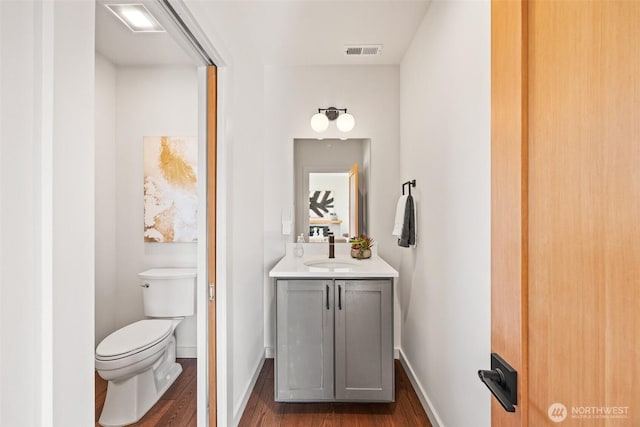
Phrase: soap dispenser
(299, 251)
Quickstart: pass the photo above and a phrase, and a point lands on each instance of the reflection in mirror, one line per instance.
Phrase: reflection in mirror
(328, 205)
(331, 179)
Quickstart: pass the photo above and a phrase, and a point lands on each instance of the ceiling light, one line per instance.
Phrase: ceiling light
(136, 17)
(320, 120)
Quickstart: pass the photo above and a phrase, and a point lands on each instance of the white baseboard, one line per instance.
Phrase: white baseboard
(247, 393)
(269, 353)
(187, 352)
(422, 395)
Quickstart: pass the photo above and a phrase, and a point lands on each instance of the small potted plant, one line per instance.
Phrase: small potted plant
(361, 246)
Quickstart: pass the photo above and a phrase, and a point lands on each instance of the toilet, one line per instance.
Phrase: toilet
(139, 360)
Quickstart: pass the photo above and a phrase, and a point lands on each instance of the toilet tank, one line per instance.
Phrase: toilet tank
(168, 292)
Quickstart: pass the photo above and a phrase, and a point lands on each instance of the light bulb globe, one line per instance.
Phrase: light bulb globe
(319, 122)
(345, 122)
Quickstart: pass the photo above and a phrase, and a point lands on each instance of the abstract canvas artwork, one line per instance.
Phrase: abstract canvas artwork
(170, 189)
(320, 202)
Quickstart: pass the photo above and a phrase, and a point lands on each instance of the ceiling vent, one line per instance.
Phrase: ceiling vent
(363, 50)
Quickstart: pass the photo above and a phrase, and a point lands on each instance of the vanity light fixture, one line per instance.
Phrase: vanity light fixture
(320, 121)
(136, 17)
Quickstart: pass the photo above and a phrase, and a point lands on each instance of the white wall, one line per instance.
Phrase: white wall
(2, 276)
(105, 175)
(240, 238)
(150, 101)
(19, 193)
(445, 146)
(245, 146)
(47, 222)
(73, 213)
(292, 96)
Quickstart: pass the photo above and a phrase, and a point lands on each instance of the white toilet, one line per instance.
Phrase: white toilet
(139, 360)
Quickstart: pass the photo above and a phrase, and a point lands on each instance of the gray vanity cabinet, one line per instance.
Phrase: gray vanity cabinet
(334, 340)
(304, 338)
(364, 340)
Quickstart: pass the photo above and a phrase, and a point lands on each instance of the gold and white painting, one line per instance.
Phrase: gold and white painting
(170, 189)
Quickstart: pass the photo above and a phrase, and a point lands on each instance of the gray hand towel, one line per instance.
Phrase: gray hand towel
(408, 236)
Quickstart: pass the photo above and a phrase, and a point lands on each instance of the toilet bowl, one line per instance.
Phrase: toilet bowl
(139, 360)
(132, 349)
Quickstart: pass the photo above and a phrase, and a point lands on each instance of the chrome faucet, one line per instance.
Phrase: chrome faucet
(332, 241)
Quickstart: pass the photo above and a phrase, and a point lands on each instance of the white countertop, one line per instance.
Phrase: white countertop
(342, 266)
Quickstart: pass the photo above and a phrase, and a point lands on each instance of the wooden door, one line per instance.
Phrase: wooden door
(566, 209)
(211, 236)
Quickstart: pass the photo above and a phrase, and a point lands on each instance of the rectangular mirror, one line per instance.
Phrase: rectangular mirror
(331, 177)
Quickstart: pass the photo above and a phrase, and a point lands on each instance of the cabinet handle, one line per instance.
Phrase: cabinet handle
(327, 288)
(339, 297)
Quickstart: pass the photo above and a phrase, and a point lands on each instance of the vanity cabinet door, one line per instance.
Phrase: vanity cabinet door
(304, 340)
(364, 340)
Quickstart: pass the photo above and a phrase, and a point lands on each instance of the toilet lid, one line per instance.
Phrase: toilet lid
(134, 337)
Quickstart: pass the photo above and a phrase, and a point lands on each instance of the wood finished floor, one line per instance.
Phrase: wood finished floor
(176, 408)
(262, 410)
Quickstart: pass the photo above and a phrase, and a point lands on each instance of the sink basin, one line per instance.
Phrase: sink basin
(329, 265)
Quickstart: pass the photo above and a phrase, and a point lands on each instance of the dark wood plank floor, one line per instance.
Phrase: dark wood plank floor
(176, 408)
(262, 410)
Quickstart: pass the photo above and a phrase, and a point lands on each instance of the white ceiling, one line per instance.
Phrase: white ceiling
(290, 32)
(124, 47)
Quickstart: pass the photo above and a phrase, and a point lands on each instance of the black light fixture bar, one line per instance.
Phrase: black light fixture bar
(332, 113)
